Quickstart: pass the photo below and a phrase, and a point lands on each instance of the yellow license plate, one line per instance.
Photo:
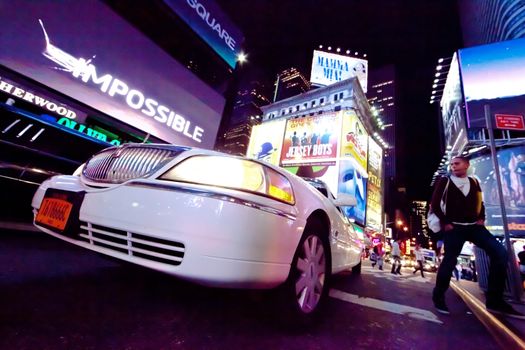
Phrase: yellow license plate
(54, 212)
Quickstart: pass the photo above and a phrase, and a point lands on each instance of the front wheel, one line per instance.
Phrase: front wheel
(357, 268)
(309, 273)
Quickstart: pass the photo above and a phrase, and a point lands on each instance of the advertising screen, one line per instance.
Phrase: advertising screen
(512, 170)
(207, 19)
(352, 182)
(354, 139)
(86, 51)
(452, 110)
(329, 68)
(493, 74)
(266, 141)
(374, 200)
(311, 140)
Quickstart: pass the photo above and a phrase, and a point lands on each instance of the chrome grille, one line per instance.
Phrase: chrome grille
(116, 165)
(133, 244)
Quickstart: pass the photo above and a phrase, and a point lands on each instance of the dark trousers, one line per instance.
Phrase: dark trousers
(396, 264)
(481, 237)
(419, 267)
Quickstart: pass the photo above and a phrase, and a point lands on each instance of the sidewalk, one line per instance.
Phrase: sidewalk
(508, 332)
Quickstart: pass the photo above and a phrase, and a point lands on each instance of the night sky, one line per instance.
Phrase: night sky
(410, 34)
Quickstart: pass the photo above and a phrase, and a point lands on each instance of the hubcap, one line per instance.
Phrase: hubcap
(311, 265)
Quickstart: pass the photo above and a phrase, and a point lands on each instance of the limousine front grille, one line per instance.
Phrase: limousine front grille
(116, 165)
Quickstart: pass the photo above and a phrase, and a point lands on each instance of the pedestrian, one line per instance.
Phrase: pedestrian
(373, 257)
(464, 220)
(396, 257)
(420, 259)
(380, 254)
(521, 257)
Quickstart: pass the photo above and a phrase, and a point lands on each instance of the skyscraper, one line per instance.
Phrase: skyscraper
(290, 82)
(488, 21)
(246, 113)
(382, 99)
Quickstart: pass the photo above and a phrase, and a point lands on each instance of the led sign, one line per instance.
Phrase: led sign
(31, 97)
(96, 134)
(212, 25)
(86, 71)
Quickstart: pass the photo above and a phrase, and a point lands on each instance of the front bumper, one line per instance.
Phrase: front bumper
(223, 239)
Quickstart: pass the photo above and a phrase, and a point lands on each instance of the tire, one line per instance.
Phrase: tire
(307, 285)
(357, 269)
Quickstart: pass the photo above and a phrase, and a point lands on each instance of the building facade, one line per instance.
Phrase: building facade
(330, 134)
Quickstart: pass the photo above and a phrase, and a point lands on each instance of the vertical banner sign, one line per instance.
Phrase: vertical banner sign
(311, 140)
(266, 141)
(374, 209)
(353, 182)
(354, 140)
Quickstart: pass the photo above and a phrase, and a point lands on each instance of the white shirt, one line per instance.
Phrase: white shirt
(463, 183)
(419, 255)
(395, 249)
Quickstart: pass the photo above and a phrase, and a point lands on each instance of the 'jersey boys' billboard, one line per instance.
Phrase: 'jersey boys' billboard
(86, 51)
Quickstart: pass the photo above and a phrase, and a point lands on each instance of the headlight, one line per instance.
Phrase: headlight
(239, 174)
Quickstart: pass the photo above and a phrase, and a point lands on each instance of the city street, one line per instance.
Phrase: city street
(57, 296)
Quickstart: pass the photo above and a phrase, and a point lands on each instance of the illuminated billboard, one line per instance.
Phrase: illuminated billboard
(374, 199)
(354, 139)
(266, 141)
(311, 140)
(452, 110)
(352, 182)
(329, 68)
(493, 74)
(86, 51)
(512, 164)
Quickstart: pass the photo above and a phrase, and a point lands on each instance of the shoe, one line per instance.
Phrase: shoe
(441, 307)
(505, 309)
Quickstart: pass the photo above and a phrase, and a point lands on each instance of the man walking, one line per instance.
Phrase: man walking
(420, 259)
(463, 220)
(396, 257)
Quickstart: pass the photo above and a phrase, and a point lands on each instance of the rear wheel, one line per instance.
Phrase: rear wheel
(310, 271)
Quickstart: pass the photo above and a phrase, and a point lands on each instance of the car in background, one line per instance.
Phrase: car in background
(204, 216)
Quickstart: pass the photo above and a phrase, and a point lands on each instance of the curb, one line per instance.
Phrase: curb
(503, 335)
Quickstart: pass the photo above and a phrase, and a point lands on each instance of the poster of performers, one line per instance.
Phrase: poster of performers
(311, 140)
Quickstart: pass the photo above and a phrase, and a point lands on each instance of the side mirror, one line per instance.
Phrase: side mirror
(345, 200)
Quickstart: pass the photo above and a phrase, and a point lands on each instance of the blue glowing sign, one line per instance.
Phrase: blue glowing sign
(212, 25)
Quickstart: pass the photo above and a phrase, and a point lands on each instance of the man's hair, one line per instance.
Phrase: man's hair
(463, 158)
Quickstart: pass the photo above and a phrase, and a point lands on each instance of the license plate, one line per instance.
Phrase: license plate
(54, 212)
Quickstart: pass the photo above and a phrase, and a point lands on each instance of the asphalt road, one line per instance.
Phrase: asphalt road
(56, 296)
